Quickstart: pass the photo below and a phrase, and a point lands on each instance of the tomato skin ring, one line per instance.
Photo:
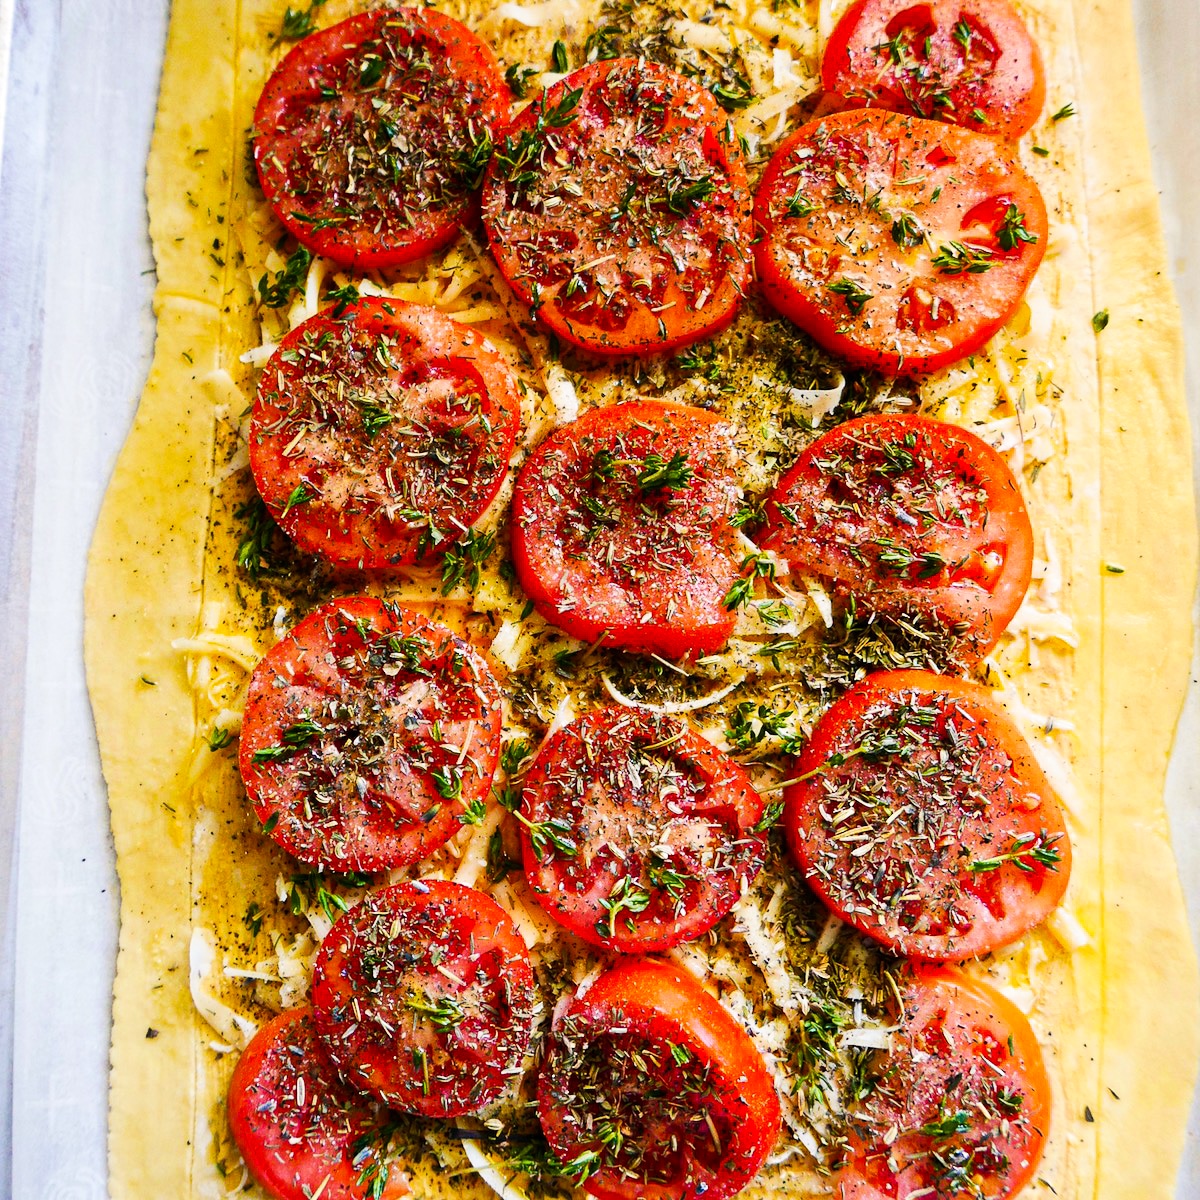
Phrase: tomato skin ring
(315, 698)
(300, 84)
(900, 307)
(657, 1002)
(1009, 92)
(353, 460)
(971, 1036)
(583, 780)
(925, 889)
(318, 1145)
(561, 549)
(424, 995)
(581, 278)
(810, 525)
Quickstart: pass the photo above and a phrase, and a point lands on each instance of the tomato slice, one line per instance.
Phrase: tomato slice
(617, 208)
(638, 833)
(369, 731)
(424, 996)
(620, 528)
(970, 62)
(922, 818)
(371, 135)
(651, 1090)
(911, 517)
(300, 1129)
(961, 1105)
(379, 435)
(902, 245)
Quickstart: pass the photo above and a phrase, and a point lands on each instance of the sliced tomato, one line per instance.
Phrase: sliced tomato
(379, 435)
(971, 62)
(910, 517)
(617, 208)
(369, 733)
(424, 996)
(300, 1129)
(961, 1102)
(371, 135)
(620, 528)
(651, 1090)
(922, 818)
(902, 245)
(638, 833)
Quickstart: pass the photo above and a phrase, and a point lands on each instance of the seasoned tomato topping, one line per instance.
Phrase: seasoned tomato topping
(371, 734)
(424, 995)
(900, 244)
(959, 1105)
(621, 528)
(652, 1091)
(971, 62)
(912, 518)
(920, 816)
(617, 208)
(379, 434)
(301, 1130)
(371, 136)
(638, 832)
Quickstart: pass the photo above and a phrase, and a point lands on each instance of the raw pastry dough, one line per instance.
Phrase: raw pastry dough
(171, 627)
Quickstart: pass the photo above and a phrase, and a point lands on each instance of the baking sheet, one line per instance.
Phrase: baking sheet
(75, 343)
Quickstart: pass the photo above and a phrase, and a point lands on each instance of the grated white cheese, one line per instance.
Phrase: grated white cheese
(232, 1027)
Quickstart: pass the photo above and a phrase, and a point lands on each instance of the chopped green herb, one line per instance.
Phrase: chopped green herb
(855, 295)
(771, 813)
(465, 558)
(907, 231)
(253, 919)
(1038, 847)
(517, 77)
(754, 566)
(474, 812)
(298, 22)
(448, 781)
(657, 472)
(1012, 231)
(344, 298)
(445, 1012)
(957, 257)
(948, 1126)
(275, 293)
(300, 495)
(543, 834)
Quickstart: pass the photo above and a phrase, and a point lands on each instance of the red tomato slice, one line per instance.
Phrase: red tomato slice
(971, 62)
(924, 820)
(617, 208)
(299, 1128)
(378, 436)
(902, 245)
(910, 517)
(620, 528)
(962, 1103)
(638, 833)
(424, 995)
(653, 1091)
(369, 732)
(371, 135)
